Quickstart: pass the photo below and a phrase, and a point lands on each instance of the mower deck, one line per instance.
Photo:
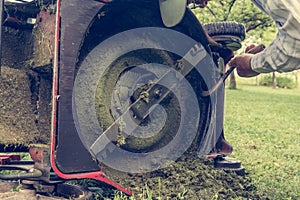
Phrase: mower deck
(69, 157)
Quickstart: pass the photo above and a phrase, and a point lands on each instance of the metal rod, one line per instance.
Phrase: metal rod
(254, 50)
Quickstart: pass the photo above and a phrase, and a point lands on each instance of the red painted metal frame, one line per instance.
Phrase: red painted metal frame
(96, 175)
(5, 159)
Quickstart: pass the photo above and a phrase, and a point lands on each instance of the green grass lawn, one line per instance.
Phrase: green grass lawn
(263, 125)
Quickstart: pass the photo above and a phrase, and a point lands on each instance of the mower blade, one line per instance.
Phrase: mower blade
(110, 135)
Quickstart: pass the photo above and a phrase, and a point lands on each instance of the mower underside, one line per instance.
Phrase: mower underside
(124, 93)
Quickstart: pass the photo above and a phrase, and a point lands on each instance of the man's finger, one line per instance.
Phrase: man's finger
(249, 47)
(232, 62)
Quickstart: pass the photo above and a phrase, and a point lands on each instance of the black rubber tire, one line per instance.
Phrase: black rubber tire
(229, 34)
(226, 28)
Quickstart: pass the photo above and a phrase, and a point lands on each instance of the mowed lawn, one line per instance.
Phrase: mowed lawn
(263, 125)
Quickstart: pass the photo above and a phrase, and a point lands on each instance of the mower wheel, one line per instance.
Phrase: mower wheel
(229, 34)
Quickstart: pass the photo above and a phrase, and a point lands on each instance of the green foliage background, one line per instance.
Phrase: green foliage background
(281, 82)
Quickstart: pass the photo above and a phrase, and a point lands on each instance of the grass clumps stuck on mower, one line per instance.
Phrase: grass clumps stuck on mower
(17, 119)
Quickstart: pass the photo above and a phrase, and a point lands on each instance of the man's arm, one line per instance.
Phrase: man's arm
(280, 56)
(283, 54)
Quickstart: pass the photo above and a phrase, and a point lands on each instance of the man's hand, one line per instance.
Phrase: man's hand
(243, 65)
(243, 62)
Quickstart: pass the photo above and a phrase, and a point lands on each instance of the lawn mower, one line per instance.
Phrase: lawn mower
(119, 84)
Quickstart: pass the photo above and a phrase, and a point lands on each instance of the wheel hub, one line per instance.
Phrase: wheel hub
(148, 118)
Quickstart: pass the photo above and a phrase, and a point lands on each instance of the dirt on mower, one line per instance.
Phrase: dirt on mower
(25, 86)
(17, 119)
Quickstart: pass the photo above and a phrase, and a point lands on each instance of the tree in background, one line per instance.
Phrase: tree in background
(259, 26)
